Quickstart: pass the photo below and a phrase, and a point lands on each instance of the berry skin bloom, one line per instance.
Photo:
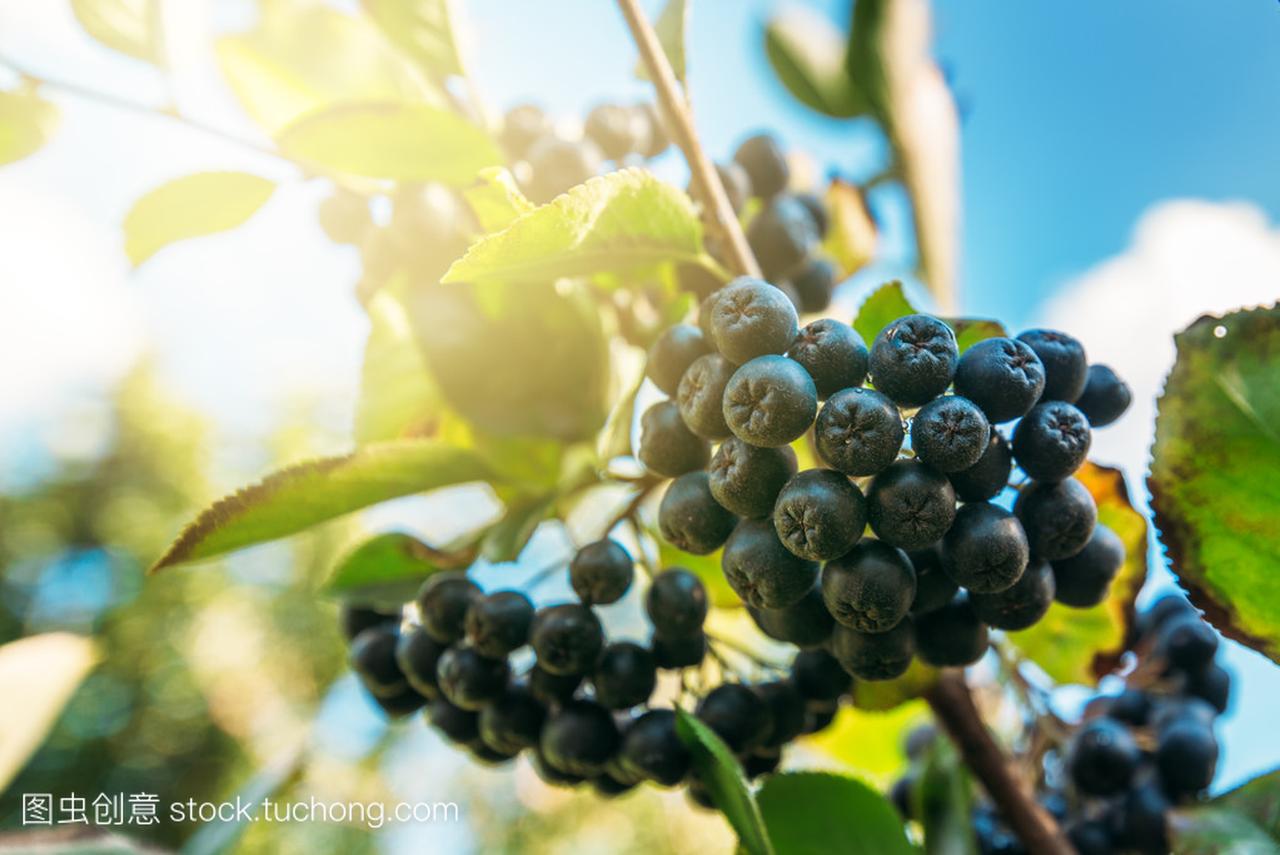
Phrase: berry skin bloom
(676, 603)
(913, 359)
(820, 514)
(871, 588)
(746, 479)
(910, 505)
(1066, 368)
(690, 518)
(859, 431)
(763, 572)
(673, 353)
(986, 549)
(701, 396)
(1003, 376)
(1083, 579)
(987, 478)
(1105, 396)
(951, 636)
(950, 433)
(1058, 517)
(783, 237)
(600, 573)
(667, 446)
(752, 318)
(1021, 605)
(498, 623)
(875, 656)
(770, 401)
(833, 354)
(1052, 441)
(765, 162)
(443, 602)
(567, 638)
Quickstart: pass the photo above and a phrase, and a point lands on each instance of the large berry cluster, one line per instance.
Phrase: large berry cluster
(1138, 753)
(946, 561)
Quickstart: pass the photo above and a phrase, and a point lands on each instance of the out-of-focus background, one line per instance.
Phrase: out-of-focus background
(1119, 181)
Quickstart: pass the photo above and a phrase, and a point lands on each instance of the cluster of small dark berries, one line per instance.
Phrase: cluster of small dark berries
(946, 562)
(1138, 753)
(582, 706)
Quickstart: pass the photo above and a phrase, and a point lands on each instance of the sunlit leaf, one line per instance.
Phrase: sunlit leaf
(399, 142)
(671, 28)
(621, 221)
(884, 306)
(192, 206)
(852, 235)
(720, 772)
(970, 331)
(807, 52)
(869, 742)
(38, 675)
(1215, 472)
(26, 123)
(1244, 821)
(495, 199)
(1082, 645)
(814, 813)
(131, 27)
(305, 494)
(423, 29)
(387, 569)
(397, 394)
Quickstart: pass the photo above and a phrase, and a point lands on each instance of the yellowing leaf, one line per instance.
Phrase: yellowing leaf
(396, 141)
(870, 742)
(26, 123)
(423, 29)
(192, 206)
(131, 27)
(306, 494)
(495, 199)
(851, 238)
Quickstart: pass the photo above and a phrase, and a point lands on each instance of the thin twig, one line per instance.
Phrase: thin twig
(678, 113)
(953, 706)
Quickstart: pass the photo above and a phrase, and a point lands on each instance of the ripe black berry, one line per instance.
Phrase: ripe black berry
(551, 688)
(934, 588)
(617, 129)
(549, 774)
(805, 623)
(1057, 517)
(1021, 605)
(1090, 837)
(624, 676)
(401, 704)
(1186, 644)
(859, 431)
(690, 518)
(782, 236)
(522, 126)
(373, 657)
(676, 604)
(737, 715)
(673, 353)
(986, 549)
(566, 638)
(1212, 685)
(820, 514)
(558, 165)
(470, 680)
(1003, 376)
(1140, 821)
(763, 572)
(1172, 709)
(580, 738)
(737, 185)
(752, 318)
(913, 359)
(870, 588)
(765, 761)
(989, 476)
(443, 602)
(814, 285)
(910, 505)
(601, 572)
(833, 354)
(952, 636)
(817, 209)
(417, 655)
(950, 433)
(875, 656)
(667, 446)
(498, 623)
(1132, 706)
(487, 756)
(1105, 396)
(513, 721)
(1186, 755)
(651, 749)
(1065, 367)
(770, 401)
(459, 726)
(765, 162)
(746, 479)
(1165, 609)
(787, 711)
(356, 619)
(1083, 579)
(675, 652)
(1052, 441)
(701, 396)
(1102, 757)
(819, 676)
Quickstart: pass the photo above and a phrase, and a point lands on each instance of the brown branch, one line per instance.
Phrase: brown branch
(679, 114)
(953, 706)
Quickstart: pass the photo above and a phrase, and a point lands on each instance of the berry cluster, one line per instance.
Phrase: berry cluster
(946, 561)
(1138, 753)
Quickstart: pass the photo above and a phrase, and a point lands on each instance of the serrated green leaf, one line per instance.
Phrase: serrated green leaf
(1215, 472)
(128, 26)
(852, 236)
(671, 27)
(508, 537)
(721, 773)
(625, 220)
(306, 494)
(26, 123)
(423, 29)
(882, 307)
(393, 141)
(807, 54)
(495, 199)
(304, 57)
(398, 397)
(870, 742)
(386, 570)
(1083, 645)
(192, 206)
(40, 673)
(814, 813)
(1244, 821)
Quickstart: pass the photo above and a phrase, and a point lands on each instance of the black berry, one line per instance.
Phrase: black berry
(817, 210)
(498, 623)
(601, 572)
(950, 433)
(356, 619)
(667, 446)
(551, 688)
(651, 749)
(676, 604)
(986, 549)
(566, 638)
(1186, 755)
(989, 476)
(417, 655)
(701, 396)
(833, 353)
(746, 479)
(934, 588)
(443, 602)
(673, 353)
(737, 715)
(820, 514)
(1052, 441)
(690, 518)
(1105, 396)
(859, 431)
(373, 657)
(763, 572)
(617, 129)
(952, 636)
(1083, 579)
(805, 623)
(782, 236)
(676, 652)
(870, 588)
(1186, 644)
(624, 676)
(765, 162)
(814, 285)
(752, 318)
(470, 680)
(1058, 518)
(1065, 366)
(913, 359)
(580, 738)
(1102, 757)
(875, 656)
(819, 676)
(770, 401)
(459, 726)
(1003, 376)
(786, 711)
(1021, 605)
(910, 505)
(513, 721)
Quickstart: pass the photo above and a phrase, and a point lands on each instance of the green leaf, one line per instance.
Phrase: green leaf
(398, 397)
(970, 331)
(192, 206)
(870, 742)
(943, 799)
(304, 57)
(509, 536)
(495, 199)
(615, 436)
(387, 569)
(1244, 821)
(26, 123)
(719, 770)
(1083, 645)
(394, 141)
(131, 27)
(39, 674)
(306, 494)
(423, 29)
(671, 27)
(807, 54)
(884, 306)
(814, 813)
(1215, 472)
(625, 220)
(852, 236)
